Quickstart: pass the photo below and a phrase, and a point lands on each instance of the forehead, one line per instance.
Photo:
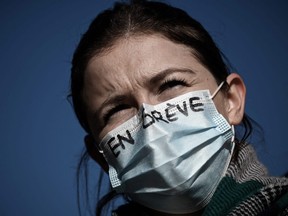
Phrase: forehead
(142, 52)
(135, 54)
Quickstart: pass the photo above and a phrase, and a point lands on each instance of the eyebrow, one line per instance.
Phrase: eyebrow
(118, 98)
(162, 74)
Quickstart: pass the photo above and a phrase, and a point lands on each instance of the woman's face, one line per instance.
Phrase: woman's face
(141, 69)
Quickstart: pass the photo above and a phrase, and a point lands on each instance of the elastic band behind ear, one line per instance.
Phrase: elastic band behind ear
(233, 131)
(217, 90)
(98, 148)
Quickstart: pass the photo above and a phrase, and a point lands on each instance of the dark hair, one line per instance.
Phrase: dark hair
(144, 18)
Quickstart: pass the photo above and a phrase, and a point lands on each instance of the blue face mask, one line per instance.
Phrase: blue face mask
(171, 157)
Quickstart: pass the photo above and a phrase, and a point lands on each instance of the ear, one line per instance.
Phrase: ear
(94, 152)
(235, 98)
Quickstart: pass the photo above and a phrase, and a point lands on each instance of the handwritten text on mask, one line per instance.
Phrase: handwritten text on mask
(117, 143)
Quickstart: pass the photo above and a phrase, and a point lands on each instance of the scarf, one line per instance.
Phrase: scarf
(246, 189)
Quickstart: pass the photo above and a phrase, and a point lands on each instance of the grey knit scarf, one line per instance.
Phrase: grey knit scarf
(247, 189)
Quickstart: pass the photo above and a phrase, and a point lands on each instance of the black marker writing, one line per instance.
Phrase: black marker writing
(150, 120)
(168, 115)
(194, 105)
(184, 111)
(128, 139)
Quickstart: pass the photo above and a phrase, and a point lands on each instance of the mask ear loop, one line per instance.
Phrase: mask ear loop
(233, 134)
(98, 148)
(211, 97)
(217, 90)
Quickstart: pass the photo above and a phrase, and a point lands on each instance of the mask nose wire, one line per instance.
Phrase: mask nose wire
(217, 90)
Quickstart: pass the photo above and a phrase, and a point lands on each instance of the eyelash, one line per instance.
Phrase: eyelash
(171, 83)
(107, 115)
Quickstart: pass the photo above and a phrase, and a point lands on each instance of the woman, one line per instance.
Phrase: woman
(159, 105)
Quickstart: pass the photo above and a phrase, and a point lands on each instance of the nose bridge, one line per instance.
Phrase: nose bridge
(141, 97)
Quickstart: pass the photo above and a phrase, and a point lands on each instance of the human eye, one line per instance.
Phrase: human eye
(114, 112)
(171, 84)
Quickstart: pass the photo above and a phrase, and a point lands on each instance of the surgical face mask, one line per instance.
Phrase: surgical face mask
(170, 157)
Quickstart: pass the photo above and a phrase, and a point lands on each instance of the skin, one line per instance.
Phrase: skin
(143, 69)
